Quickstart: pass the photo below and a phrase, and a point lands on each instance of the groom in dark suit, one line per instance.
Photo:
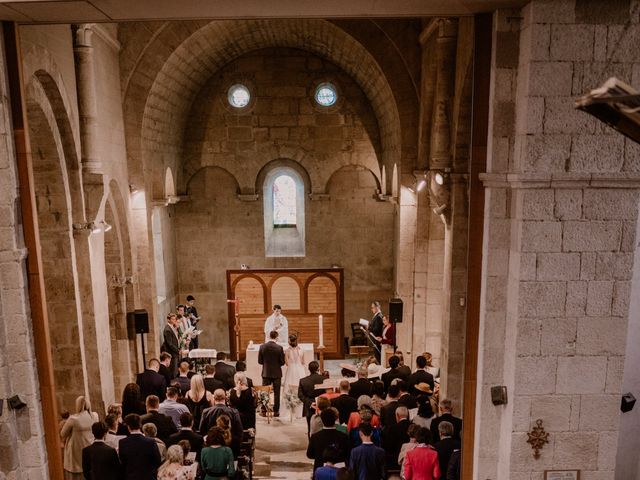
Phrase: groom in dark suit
(171, 344)
(271, 357)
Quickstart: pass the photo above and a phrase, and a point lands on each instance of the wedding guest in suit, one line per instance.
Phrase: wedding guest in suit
(445, 447)
(224, 371)
(344, 402)
(210, 382)
(139, 455)
(375, 327)
(388, 412)
(210, 415)
(186, 433)
(405, 398)
(165, 363)
(395, 436)
(171, 408)
(171, 343)
(76, 435)
(362, 386)
(163, 423)
(271, 357)
(326, 437)
(307, 391)
(446, 415)
(99, 460)
(421, 375)
(393, 373)
(151, 382)
(367, 460)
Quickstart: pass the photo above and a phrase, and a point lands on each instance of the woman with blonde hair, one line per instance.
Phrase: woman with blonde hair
(198, 398)
(241, 398)
(173, 467)
(76, 434)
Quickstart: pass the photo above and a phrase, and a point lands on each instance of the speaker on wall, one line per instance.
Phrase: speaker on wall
(395, 310)
(140, 320)
(628, 401)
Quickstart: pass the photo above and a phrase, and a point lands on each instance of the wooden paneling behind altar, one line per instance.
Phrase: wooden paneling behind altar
(304, 294)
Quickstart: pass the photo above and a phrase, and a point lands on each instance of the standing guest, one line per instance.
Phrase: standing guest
(165, 363)
(375, 327)
(99, 460)
(76, 435)
(116, 409)
(224, 371)
(210, 382)
(329, 471)
(186, 433)
(278, 322)
(132, 401)
(183, 378)
(406, 398)
(112, 438)
(149, 430)
(453, 473)
(421, 463)
(307, 392)
(198, 398)
(163, 423)
(395, 436)
(151, 382)
(387, 338)
(378, 399)
(326, 437)
(446, 415)
(139, 455)
(316, 421)
(388, 412)
(404, 369)
(345, 403)
(241, 398)
(216, 459)
(171, 343)
(242, 367)
(362, 386)
(364, 414)
(445, 447)
(412, 432)
(173, 468)
(393, 373)
(367, 460)
(271, 357)
(210, 415)
(425, 413)
(435, 371)
(191, 312)
(223, 422)
(421, 375)
(171, 408)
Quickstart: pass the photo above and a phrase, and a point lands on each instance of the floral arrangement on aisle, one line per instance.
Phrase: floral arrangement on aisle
(291, 400)
(186, 337)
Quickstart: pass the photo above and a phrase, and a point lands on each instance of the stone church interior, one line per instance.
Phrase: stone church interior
(428, 156)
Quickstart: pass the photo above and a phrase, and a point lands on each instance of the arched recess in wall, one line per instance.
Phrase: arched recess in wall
(193, 62)
(57, 190)
(169, 184)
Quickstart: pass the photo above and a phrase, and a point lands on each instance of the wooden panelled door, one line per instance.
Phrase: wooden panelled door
(303, 294)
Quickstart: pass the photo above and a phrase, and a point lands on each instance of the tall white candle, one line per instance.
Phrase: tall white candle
(321, 333)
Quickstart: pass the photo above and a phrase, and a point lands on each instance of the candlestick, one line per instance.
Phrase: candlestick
(321, 332)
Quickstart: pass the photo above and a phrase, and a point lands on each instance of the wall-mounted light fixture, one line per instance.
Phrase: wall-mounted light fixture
(87, 226)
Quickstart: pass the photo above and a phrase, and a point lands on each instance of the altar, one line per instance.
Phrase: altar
(254, 369)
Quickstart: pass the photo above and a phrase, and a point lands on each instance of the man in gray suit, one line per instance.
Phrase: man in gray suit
(271, 357)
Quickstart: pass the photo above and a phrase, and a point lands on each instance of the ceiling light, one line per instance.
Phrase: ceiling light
(439, 178)
(421, 184)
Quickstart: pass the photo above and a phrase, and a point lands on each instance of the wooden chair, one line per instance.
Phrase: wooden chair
(247, 454)
(268, 407)
(357, 335)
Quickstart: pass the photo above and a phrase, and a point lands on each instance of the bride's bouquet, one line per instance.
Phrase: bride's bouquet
(188, 335)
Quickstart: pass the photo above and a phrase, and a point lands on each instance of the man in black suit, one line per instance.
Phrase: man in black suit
(99, 460)
(362, 386)
(163, 423)
(211, 414)
(151, 382)
(344, 402)
(186, 433)
(395, 372)
(139, 455)
(307, 392)
(394, 436)
(165, 364)
(388, 411)
(171, 343)
(420, 376)
(326, 437)
(375, 327)
(224, 371)
(271, 357)
(405, 398)
(446, 415)
(445, 447)
(211, 383)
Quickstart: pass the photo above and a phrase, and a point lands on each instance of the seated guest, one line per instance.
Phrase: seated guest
(132, 402)
(210, 382)
(242, 367)
(151, 382)
(395, 436)
(388, 413)
(378, 399)
(183, 378)
(216, 459)
(364, 414)
(210, 415)
(328, 471)
(425, 413)
(112, 438)
(198, 399)
(405, 398)
(165, 364)
(116, 410)
(412, 432)
(173, 468)
(316, 421)
(421, 375)
(139, 455)
(344, 402)
(99, 460)
(319, 442)
(394, 372)
(224, 371)
(446, 415)
(163, 423)
(367, 460)
(149, 430)
(241, 398)
(186, 433)
(362, 386)
(307, 392)
(171, 408)
(421, 463)
(446, 446)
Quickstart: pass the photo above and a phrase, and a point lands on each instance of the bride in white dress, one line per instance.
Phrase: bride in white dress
(295, 371)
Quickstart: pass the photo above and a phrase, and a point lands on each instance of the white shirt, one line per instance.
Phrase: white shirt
(278, 323)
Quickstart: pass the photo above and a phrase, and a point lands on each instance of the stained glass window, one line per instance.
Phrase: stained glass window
(326, 94)
(284, 201)
(239, 96)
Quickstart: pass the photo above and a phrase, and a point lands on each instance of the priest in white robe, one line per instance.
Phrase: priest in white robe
(278, 322)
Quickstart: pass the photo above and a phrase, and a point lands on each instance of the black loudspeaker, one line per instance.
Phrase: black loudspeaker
(499, 395)
(140, 320)
(395, 310)
(16, 403)
(628, 401)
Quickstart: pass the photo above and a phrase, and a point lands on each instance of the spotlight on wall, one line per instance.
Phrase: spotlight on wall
(16, 403)
(421, 184)
(244, 266)
(439, 178)
(105, 226)
(91, 226)
(628, 402)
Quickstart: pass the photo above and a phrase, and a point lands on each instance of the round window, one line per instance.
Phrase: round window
(239, 96)
(326, 94)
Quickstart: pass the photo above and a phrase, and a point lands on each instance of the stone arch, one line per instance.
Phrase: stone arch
(197, 173)
(353, 167)
(298, 167)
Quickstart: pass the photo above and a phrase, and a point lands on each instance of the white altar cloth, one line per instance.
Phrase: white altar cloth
(254, 369)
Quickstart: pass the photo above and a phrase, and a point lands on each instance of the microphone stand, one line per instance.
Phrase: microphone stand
(369, 336)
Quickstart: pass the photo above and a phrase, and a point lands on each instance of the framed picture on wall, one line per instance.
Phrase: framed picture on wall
(562, 475)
